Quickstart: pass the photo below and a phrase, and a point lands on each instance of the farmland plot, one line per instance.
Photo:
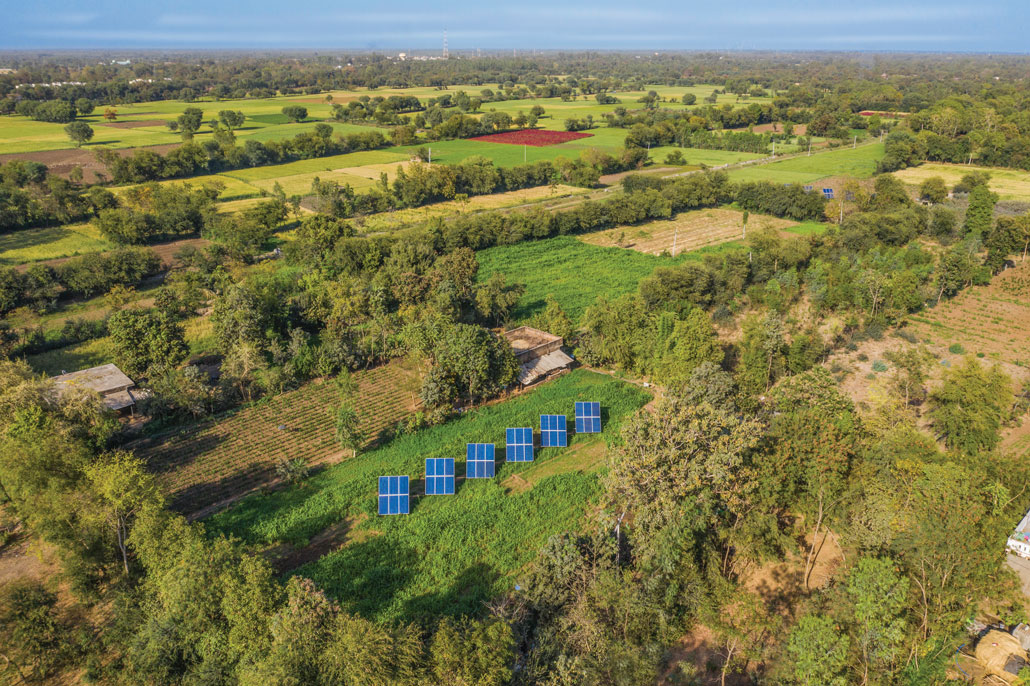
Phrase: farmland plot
(993, 320)
(452, 552)
(217, 461)
(685, 232)
(1009, 184)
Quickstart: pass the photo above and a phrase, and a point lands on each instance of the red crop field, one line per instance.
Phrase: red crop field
(207, 466)
(535, 137)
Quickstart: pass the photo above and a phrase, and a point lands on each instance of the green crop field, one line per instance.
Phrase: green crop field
(451, 553)
(574, 272)
(32, 245)
(698, 156)
(858, 162)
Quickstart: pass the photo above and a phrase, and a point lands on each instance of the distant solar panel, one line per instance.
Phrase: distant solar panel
(808, 189)
(588, 418)
(479, 461)
(439, 476)
(393, 495)
(553, 431)
(519, 444)
(828, 193)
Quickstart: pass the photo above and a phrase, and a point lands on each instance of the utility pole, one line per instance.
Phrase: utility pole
(445, 55)
(854, 143)
(809, 146)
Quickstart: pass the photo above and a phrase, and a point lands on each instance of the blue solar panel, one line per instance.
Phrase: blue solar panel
(393, 495)
(588, 418)
(519, 444)
(479, 461)
(828, 193)
(808, 189)
(553, 431)
(439, 476)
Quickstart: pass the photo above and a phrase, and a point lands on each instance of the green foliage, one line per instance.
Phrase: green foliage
(956, 349)
(146, 340)
(819, 652)
(36, 642)
(79, 132)
(422, 564)
(295, 113)
(879, 366)
(933, 190)
(980, 213)
(970, 405)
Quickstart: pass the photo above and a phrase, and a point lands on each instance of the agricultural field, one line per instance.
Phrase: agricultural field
(1009, 184)
(208, 463)
(857, 162)
(685, 232)
(992, 320)
(699, 156)
(48, 243)
(452, 553)
(576, 273)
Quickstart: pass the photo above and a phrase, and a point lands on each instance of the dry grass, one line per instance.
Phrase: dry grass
(685, 232)
(1010, 184)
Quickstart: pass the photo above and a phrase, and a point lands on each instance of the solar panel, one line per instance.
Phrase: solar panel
(828, 193)
(479, 461)
(439, 476)
(588, 418)
(393, 495)
(519, 444)
(808, 189)
(553, 431)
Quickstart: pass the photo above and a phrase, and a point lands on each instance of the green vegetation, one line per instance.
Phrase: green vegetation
(427, 563)
(858, 162)
(576, 273)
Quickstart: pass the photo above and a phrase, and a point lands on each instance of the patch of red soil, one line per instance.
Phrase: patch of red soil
(534, 137)
(134, 124)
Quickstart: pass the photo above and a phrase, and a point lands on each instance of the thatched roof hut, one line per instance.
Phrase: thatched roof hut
(1001, 654)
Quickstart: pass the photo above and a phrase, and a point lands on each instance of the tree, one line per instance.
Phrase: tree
(470, 653)
(818, 652)
(877, 600)
(122, 487)
(480, 362)
(111, 114)
(692, 343)
(80, 132)
(762, 353)
(969, 407)
(933, 190)
(32, 637)
(689, 99)
(188, 123)
(678, 456)
(84, 106)
(980, 213)
(231, 119)
(554, 320)
(295, 113)
(146, 340)
(495, 298)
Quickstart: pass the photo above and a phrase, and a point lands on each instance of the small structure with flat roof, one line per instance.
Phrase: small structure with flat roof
(1019, 540)
(111, 383)
(539, 354)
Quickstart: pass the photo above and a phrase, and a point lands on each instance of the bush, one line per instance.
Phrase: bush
(292, 471)
(879, 366)
(956, 349)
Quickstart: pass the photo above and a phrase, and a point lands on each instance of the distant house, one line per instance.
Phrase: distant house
(116, 389)
(539, 354)
(1019, 540)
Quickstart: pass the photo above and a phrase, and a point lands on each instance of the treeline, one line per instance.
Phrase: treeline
(191, 159)
(40, 286)
(906, 149)
(30, 196)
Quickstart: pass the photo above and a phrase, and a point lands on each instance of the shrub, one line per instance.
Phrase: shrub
(879, 366)
(292, 471)
(956, 349)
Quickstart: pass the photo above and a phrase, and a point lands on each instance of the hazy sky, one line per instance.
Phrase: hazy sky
(938, 25)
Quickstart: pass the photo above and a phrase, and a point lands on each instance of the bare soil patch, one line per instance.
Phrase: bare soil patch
(684, 232)
(61, 162)
(143, 123)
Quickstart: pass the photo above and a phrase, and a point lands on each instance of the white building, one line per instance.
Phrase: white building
(1019, 540)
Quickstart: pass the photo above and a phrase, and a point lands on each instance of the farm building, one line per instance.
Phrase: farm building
(539, 354)
(1019, 540)
(111, 383)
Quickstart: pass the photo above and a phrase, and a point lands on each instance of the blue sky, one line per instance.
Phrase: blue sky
(921, 25)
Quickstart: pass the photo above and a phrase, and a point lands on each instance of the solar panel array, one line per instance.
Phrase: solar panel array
(808, 189)
(828, 193)
(553, 431)
(394, 491)
(519, 444)
(479, 461)
(588, 418)
(439, 476)
(393, 495)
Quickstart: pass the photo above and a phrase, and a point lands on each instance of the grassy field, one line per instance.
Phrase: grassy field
(1009, 184)
(573, 271)
(858, 162)
(451, 553)
(697, 156)
(685, 232)
(32, 245)
(73, 357)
